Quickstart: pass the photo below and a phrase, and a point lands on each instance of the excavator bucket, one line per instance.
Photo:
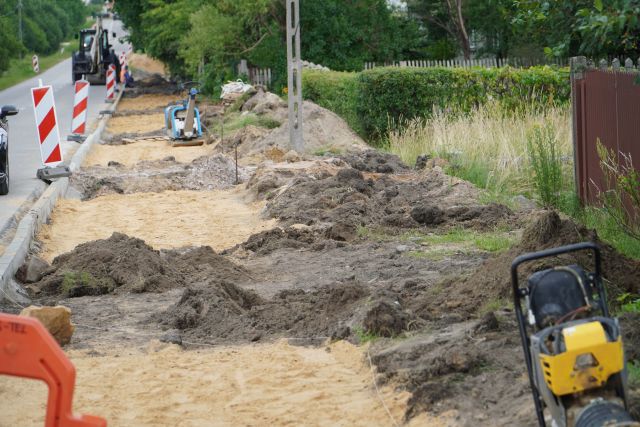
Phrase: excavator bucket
(27, 350)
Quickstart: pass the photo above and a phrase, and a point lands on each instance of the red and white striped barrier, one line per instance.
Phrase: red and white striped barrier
(111, 83)
(123, 60)
(47, 124)
(80, 101)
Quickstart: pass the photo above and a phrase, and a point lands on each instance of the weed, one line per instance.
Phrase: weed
(633, 369)
(324, 151)
(365, 336)
(542, 147)
(494, 305)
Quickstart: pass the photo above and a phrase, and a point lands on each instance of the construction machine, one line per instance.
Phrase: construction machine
(182, 119)
(572, 345)
(94, 56)
(5, 111)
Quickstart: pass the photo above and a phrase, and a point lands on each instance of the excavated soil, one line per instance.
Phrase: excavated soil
(168, 220)
(350, 199)
(124, 264)
(144, 103)
(216, 172)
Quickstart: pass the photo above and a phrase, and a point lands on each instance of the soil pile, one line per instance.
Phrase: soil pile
(492, 281)
(375, 161)
(215, 172)
(323, 130)
(126, 264)
(351, 199)
(220, 310)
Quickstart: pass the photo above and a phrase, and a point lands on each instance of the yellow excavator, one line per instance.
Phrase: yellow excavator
(572, 345)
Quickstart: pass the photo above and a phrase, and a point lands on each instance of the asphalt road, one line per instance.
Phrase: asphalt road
(24, 150)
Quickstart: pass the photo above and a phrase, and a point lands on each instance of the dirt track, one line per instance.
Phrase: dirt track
(346, 245)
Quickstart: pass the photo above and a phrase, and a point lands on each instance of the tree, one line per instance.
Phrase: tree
(448, 15)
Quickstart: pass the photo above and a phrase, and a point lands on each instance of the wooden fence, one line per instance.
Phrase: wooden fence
(468, 63)
(606, 108)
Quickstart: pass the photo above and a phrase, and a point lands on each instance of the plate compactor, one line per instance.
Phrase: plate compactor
(572, 346)
(182, 121)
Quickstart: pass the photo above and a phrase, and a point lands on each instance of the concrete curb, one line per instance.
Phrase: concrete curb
(39, 213)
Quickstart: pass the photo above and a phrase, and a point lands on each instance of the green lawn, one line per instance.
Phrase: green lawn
(21, 69)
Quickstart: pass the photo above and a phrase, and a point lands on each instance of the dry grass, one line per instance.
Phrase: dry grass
(486, 147)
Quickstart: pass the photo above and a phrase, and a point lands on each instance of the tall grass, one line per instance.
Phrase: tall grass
(487, 147)
(528, 152)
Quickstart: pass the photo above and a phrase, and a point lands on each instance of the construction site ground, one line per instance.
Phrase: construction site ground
(332, 287)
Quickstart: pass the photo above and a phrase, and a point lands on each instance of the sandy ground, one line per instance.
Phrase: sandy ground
(274, 384)
(220, 219)
(143, 62)
(143, 123)
(151, 150)
(146, 102)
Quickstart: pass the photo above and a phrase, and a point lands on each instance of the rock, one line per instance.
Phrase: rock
(291, 157)
(343, 232)
(172, 337)
(421, 161)
(489, 322)
(402, 248)
(33, 270)
(263, 103)
(427, 214)
(386, 318)
(113, 163)
(57, 320)
(523, 203)
(169, 159)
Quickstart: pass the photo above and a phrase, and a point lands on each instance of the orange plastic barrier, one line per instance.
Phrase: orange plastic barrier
(28, 350)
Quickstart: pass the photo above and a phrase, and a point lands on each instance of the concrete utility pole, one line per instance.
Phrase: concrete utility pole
(294, 67)
(20, 20)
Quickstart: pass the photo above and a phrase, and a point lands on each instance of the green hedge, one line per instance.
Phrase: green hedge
(335, 91)
(374, 101)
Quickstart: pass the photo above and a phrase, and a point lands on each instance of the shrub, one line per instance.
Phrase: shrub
(390, 96)
(335, 91)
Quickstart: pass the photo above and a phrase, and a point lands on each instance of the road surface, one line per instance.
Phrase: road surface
(24, 151)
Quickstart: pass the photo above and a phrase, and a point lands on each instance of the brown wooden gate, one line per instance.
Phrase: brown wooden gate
(606, 107)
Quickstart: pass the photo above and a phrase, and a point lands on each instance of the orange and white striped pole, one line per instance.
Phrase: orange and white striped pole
(47, 124)
(80, 102)
(111, 83)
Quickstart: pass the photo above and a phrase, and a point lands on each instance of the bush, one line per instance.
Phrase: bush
(335, 91)
(390, 96)
(377, 101)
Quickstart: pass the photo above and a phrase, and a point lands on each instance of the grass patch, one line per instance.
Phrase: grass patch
(324, 151)
(238, 121)
(633, 369)
(494, 305)
(365, 336)
(21, 69)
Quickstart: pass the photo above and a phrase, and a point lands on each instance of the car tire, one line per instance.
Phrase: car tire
(4, 186)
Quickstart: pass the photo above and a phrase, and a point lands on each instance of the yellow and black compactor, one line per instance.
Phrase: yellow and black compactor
(572, 346)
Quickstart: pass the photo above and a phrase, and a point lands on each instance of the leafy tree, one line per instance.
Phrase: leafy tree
(610, 28)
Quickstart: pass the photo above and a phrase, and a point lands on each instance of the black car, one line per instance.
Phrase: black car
(5, 111)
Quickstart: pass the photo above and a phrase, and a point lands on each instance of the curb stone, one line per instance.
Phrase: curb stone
(39, 213)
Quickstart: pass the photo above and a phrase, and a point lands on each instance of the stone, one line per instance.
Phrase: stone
(343, 232)
(57, 320)
(172, 337)
(402, 248)
(291, 156)
(32, 270)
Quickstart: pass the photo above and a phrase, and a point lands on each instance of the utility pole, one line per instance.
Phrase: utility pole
(294, 69)
(20, 24)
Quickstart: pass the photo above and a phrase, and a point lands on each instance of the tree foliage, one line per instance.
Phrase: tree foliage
(45, 23)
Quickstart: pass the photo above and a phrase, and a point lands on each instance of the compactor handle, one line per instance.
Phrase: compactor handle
(555, 252)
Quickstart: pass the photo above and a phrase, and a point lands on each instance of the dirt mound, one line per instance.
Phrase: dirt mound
(221, 310)
(351, 198)
(103, 266)
(492, 280)
(375, 161)
(126, 264)
(214, 172)
(323, 130)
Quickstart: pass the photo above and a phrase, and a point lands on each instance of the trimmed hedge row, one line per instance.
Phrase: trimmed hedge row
(375, 101)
